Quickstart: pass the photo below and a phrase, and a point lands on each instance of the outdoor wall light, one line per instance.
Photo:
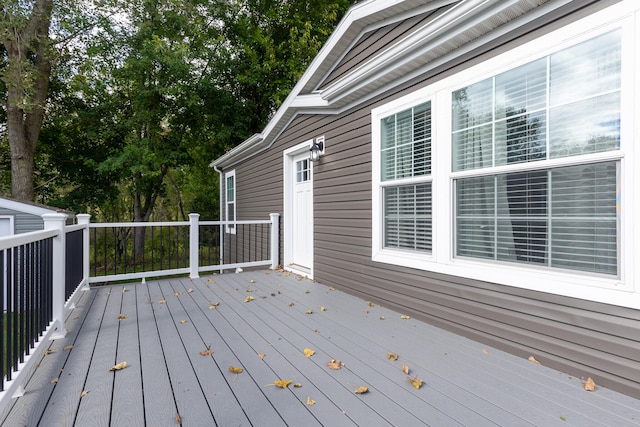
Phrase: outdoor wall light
(317, 149)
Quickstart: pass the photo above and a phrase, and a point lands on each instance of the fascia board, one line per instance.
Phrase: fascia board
(24, 207)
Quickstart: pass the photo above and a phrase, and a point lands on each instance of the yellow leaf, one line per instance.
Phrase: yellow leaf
(249, 298)
(183, 321)
(361, 390)
(332, 288)
(84, 393)
(334, 364)
(282, 383)
(310, 401)
(177, 293)
(297, 385)
(122, 316)
(589, 385)
(48, 352)
(308, 352)
(370, 304)
(404, 316)
(323, 308)
(119, 366)
(162, 301)
(68, 347)
(392, 356)
(213, 306)
(533, 360)
(416, 382)
(210, 280)
(405, 369)
(309, 311)
(252, 281)
(235, 370)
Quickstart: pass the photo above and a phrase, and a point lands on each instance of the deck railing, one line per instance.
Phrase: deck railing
(42, 272)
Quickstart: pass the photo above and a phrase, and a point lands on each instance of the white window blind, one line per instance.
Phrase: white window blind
(564, 105)
(405, 152)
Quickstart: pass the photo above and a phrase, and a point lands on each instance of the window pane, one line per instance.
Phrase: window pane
(407, 217)
(521, 90)
(406, 143)
(475, 210)
(521, 138)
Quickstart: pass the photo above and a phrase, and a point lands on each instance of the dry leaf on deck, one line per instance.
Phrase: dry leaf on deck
(252, 281)
(48, 352)
(484, 351)
(307, 291)
(120, 366)
(249, 298)
(309, 311)
(177, 293)
(261, 355)
(381, 317)
(297, 385)
(310, 401)
(235, 370)
(323, 308)
(404, 316)
(291, 304)
(189, 291)
(183, 321)
(405, 369)
(210, 280)
(533, 360)
(361, 390)
(370, 304)
(54, 381)
(124, 290)
(162, 301)
(332, 288)
(207, 352)
(68, 347)
(308, 352)
(334, 364)
(122, 316)
(84, 393)
(178, 418)
(282, 383)
(416, 382)
(392, 356)
(589, 385)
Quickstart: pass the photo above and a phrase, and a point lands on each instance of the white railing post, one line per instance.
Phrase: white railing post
(275, 240)
(194, 244)
(84, 219)
(56, 221)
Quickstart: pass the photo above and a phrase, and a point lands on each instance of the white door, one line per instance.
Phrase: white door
(302, 211)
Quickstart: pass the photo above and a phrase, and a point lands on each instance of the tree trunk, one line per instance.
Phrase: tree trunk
(27, 80)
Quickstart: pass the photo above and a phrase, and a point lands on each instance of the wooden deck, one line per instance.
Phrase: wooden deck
(168, 382)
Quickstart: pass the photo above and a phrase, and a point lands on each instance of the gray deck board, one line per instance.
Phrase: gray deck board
(466, 383)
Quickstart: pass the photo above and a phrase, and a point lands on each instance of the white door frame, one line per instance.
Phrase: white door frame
(289, 168)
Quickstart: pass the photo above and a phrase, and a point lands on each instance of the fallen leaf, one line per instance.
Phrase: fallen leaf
(309, 311)
(310, 401)
(261, 355)
(177, 293)
(207, 352)
(178, 418)
(252, 281)
(416, 382)
(484, 351)
(124, 290)
(122, 316)
(235, 370)
(361, 390)
(251, 290)
(48, 352)
(162, 301)
(307, 291)
(589, 385)
(392, 356)
(189, 291)
(68, 347)
(381, 317)
(214, 305)
(210, 280)
(405, 369)
(332, 288)
(308, 352)
(249, 298)
(84, 393)
(334, 364)
(563, 418)
(291, 304)
(54, 381)
(370, 304)
(183, 321)
(323, 308)
(75, 318)
(282, 383)
(119, 366)
(297, 385)
(404, 316)
(533, 360)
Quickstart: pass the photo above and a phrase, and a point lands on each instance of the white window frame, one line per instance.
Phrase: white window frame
(230, 228)
(622, 290)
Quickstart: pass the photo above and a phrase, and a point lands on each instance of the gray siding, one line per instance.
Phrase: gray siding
(23, 222)
(579, 337)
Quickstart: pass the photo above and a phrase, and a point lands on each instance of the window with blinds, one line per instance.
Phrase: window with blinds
(566, 105)
(230, 211)
(405, 153)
